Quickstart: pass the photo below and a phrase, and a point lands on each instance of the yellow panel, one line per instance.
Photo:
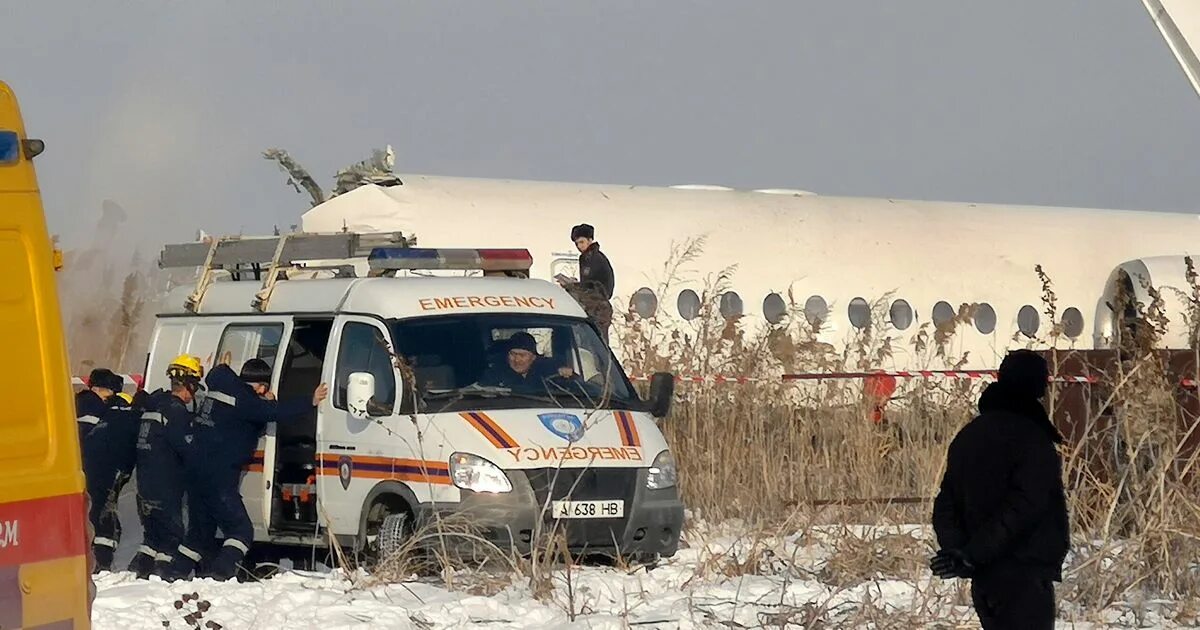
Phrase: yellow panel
(51, 592)
(40, 457)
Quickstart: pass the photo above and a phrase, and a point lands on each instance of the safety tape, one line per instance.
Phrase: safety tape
(821, 376)
(137, 380)
(104, 542)
(951, 374)
(88, 419)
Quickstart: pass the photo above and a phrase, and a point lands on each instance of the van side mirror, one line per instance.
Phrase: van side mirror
(662, 394)
(359, 391)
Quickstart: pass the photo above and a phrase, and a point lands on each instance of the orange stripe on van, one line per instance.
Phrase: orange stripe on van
(387, 468)
(490, 430)
(628, 429)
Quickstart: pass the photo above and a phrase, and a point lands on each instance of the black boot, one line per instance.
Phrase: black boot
(224, 566)
(143, 563)
(104, 557)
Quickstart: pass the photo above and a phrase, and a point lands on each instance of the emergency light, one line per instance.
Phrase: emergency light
(412, 258)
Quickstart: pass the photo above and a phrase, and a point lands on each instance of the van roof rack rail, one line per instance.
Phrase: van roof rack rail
(239, 254)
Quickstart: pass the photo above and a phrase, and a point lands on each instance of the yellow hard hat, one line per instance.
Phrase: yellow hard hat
(186, 366)
(126, 397)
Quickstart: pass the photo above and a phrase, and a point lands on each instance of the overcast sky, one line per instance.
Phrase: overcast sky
(165, 107)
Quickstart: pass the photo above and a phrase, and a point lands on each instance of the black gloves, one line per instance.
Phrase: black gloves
(951, 563)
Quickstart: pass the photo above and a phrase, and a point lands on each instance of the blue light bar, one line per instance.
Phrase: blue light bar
(413, 258)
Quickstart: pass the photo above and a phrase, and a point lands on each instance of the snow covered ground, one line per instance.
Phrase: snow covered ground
(825, 577)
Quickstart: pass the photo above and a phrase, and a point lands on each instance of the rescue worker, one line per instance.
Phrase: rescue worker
(1001, 514)
(110, 455)
(235, 411)
(91, 402)
(164, 447)
(596, 280)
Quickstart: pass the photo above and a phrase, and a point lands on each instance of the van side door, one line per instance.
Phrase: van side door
(240, 341)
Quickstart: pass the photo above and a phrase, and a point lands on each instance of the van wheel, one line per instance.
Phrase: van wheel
(393, 535)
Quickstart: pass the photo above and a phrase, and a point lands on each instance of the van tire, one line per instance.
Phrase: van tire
(393, 535)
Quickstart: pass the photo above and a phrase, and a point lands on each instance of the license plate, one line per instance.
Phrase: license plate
(588, 509)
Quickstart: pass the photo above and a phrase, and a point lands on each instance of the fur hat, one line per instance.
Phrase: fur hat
(583, 230)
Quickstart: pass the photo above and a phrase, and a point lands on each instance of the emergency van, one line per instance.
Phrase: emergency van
(412, 427)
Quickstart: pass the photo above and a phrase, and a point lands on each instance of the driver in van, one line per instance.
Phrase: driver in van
(524, 367)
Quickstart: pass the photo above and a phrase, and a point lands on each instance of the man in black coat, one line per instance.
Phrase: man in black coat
(1001, 514)
(109, 457)
(596, 279)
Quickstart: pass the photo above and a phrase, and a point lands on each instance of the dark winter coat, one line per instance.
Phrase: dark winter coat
(595, 273)
(88, 409)
(232, 417)
(111, 447)
(1002, 500)
(164, 435)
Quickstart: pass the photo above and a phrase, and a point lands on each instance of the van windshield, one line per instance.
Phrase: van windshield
(506, 360)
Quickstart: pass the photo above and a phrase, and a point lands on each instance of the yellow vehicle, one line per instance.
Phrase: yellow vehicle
(45, 537)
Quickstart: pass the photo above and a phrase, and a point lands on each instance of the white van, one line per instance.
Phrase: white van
(409, 429)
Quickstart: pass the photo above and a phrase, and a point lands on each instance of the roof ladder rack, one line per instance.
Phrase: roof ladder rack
(234, 252)
(264, 295)
(193, 301)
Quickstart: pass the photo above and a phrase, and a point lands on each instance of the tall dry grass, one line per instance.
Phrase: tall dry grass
(774, 454)
(763, 451)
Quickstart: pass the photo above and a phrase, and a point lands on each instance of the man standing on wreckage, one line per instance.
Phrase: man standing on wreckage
(1001, 514)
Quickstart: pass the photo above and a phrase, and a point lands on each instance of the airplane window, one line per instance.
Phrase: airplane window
(731, 305)
(688, 304)
(1028, 321)
(644, 302)
(859, 312)
(1072, 322)
(816, 310)
(900, 315)
(985, 318)
(774, 308)
(942, 313)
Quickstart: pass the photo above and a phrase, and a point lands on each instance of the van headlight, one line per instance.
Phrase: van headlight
(662, 473)
(471, 472)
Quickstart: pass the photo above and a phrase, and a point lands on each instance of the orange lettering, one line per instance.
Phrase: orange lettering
(550, 453)
(523, 302)
(426, 304)
(460, 302)
(516, 453)
(633, 452)
(475, 301)
(443, 303)
(578, 452)
(491, 300)
(595, 451)
(550, 301)
(508, 301)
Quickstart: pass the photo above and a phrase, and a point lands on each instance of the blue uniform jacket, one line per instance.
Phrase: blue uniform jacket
(112, 444)
(164, 436)
(232, 417)
(88, 409)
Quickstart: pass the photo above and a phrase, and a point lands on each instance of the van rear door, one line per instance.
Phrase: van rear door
(243, 339)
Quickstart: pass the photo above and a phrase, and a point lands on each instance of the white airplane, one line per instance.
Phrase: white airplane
(920, 262)
(834, 263)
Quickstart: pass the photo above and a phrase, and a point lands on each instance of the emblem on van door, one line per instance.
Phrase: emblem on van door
(345, 471)
(567, 426)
